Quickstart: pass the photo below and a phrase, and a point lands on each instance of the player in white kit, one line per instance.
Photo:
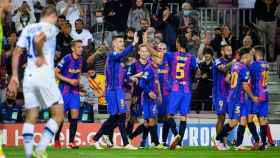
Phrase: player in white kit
(39, 86)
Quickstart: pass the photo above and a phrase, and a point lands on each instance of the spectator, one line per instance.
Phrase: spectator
(129, 36)
(168, 25)
(223, 35)
(115, 14)
(18, 3)
(247, 42)
(24, 16)
(98, 28)
(144, 25)
(71, 9)
(98, 60)
(38, 7)
(266, 23)
(188, 18)
(80, 33)
(60, 21)
(204, 88)
(137, 13)
(205, 43)
(63, 44)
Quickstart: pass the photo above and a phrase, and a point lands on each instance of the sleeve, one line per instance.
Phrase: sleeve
(194, 64)
(50, 31)
(244, 75)
(63, 64)
(22, 41)
(124, 53)
(169, 56)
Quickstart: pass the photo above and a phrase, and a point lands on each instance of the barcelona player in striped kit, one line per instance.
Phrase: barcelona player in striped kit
(237, 108)
(68, 73)
(114, 91)
(259, 72)
(182, 70)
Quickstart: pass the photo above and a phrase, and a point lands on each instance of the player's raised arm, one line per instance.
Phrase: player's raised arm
(152, 51)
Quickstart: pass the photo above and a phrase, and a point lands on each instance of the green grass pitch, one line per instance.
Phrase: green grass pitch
(189, 152)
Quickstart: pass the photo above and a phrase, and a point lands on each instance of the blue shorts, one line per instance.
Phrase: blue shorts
(237, 110)
(220, 106)
(179, 101)
(261, 109)
(149, 107)
(71, 101)
(163, 107)
(115, 102)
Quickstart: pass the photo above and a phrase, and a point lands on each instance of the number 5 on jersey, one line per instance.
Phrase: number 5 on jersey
(180, 73)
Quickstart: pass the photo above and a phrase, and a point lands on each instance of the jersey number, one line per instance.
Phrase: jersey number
(265, 76)
(180, 73)
(234, 79)
(31, 50)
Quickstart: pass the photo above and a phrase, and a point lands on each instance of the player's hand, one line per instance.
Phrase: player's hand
(40, 61)
(204, 76)
(153, 95)
(12, 87)
(74, 82)
(255, 99)
(136, 39)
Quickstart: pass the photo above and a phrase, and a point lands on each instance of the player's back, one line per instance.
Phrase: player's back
(259, 72)
(182, 70)
(239, 74)
(27, 41)
(220, 86)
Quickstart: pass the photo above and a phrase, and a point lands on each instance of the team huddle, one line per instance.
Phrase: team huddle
(159, 82)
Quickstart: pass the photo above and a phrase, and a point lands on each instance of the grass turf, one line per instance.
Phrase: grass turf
(189, 152)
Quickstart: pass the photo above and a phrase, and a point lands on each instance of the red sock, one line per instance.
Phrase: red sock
(269, 135)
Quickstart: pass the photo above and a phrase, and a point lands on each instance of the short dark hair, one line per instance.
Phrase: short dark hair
(259, 49)
(182, 40)
(49, 10)
(208, 51)
(243, 51)
(73, 43)
(117, 36)
(130, 29)
(62, 17)
(79, 20)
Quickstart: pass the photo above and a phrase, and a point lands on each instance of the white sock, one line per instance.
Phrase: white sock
(28, 132)
(48, 133)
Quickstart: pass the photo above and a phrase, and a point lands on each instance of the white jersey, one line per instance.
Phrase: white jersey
(39, 85)
(26, 40)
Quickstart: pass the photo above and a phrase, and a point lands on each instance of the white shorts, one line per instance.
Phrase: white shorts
(40, 88)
